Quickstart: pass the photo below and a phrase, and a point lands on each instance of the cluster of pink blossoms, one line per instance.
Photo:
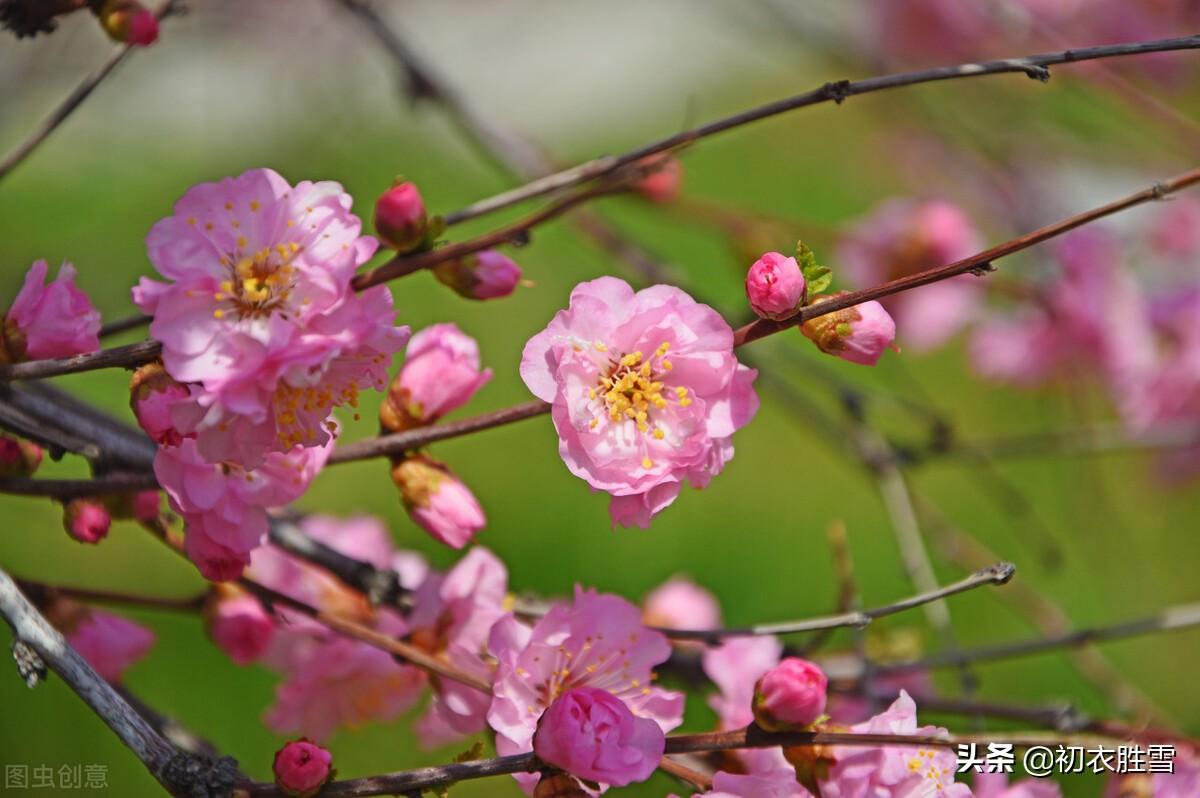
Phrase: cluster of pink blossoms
(646, 392)
(265, 335)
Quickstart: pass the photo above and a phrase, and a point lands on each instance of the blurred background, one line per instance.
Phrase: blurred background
(302, 87)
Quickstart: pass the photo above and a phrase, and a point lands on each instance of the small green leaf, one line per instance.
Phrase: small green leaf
(816, 277)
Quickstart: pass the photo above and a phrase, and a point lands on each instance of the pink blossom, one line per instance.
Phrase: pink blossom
(859, 333)
(922, 32)
(680, 603)
(778, 783)
(18, 458)
(400, 217)
(47, 321)
(261, 315)
(995, 785)
(224, 506)
(597, 641)
(895, 771)
(438, 501)
(440, 373)
(646, 392)
(902, 237)
(735, 668)
(850, 708)
(1183, 782)
(302, 768)
(110, 643)
(342, 682)
(592, 734)
(153, 396)
(1175, 229)
(775, 286)
(485, 275)
(790, 695)
(1023, 350)
(452, 617)
(239, 625)
(663, 184)
(86, 520)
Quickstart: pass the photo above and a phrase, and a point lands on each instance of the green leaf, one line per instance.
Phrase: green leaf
(816, 277)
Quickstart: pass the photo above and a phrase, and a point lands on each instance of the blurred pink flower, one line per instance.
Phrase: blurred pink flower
(775, 286)
(261, 314)
(849, 708)
(596, 641)
(646, 392)
(1183, 782)
(778, 783)
(902, 237)
(592, 735)
(47, 321)
(110, 643)
(663, 184)
(440, 374)
(923, 32)
(995, 785)
(1022, 349)
(680, 603)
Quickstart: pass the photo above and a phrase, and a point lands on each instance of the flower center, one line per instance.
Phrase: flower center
(259, 282)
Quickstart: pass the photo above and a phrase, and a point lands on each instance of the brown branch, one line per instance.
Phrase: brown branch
(116, 482)
(73, 100)
(35, 590)
(1034, 65)
(126, 356)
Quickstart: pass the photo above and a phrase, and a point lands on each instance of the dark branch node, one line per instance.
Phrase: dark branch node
(1037, 72)
(983, 268)
(200, 777)
(837, 90)
(30, 665)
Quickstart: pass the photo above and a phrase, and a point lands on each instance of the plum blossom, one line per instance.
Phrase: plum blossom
(225, 506)
(45, 321)
(597, 641)
(440, 373)
(109, 643)
(260, 313)
(996, 785)
(238, 623)
(680, 603)
(1183, 782)
(437, 500)
(735, 668)
(906, 236)
(302, 768)
(778, 783)
(646, 392)
(859, 333)
(592, 734)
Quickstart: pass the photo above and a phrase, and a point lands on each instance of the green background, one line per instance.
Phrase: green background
(756, 536)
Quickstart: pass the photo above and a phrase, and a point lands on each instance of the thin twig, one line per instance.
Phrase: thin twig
(36, 590)
(116, 482)
(126, 356)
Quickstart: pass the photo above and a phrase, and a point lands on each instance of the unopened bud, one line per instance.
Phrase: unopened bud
(129, 21)
(400, 217)
(440, 373)
(790, 696)
(485, 275)
(152, 394)
(858, 333)
(86, 520)
(18, 458)
(663, 184)
(237, 622)
(437, 500)
(302, 768)
(775, 286)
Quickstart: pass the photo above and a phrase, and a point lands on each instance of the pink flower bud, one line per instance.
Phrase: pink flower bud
(859, 333)
(400, 217)
(486, 275)
(790, 695)
(18, 458)
(238, 624)
(129, 21)
(302, 768)
(86, 520)
(438, 501)
(152, 394)
(775, 286)
(663, 184)
(592, 734)
(440, 373)
(55, 320)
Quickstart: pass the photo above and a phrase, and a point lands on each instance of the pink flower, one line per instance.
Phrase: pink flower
(663, 184)
(109, 643)
(995, 785)
(1183, 782)
(18, 458)
(902, 237)
(153, 396)
(400, 217)
(342, 682)
(850, 708)
(790, 695)
(775, 286)
(896, 771)
(86, 520)
(1023, 350)
(597, 641)
(260, 313)
(302, 768)
(680, 603)
(440, 373)
(55, 320)
(646, 392)
(778, 783)
(224, 506)
(922, 32)
(1175, 230)
(859, 333)
(735, 668)
(592, 735)
(129, 21)
(438, 501)
(484, 275)
(451, 618)
(238, 624)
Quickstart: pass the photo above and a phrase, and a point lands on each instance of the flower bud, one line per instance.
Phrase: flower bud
(129, 21)
(437, 500)
(485, 275)
(400, 217)
(859, 333)
(302, 768)
(237, 622)
(86, 520)
(663, 184)
(440, 373)
(775, 286)
(790, 696)
(152, 394)
(18, 458)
